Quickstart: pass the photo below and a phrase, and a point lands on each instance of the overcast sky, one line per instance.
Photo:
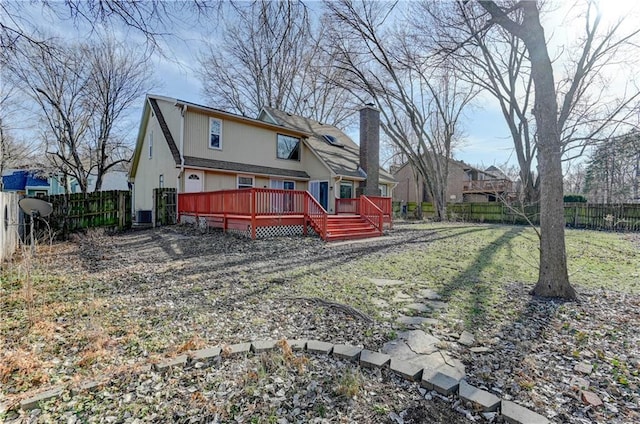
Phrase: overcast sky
(487, 140)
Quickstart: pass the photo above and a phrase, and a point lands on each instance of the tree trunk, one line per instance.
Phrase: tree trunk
(553, 278)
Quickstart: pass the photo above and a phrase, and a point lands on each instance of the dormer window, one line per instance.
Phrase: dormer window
(332, 140)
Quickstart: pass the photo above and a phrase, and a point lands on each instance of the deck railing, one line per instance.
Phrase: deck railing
(372, 213)
(316, 215)
(494, 185)
(252, 203)
(348, 206)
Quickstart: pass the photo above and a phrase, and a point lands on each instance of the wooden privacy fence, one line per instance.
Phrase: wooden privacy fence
(620, 217)
(165, 202)
(73, 212)
(10, 225)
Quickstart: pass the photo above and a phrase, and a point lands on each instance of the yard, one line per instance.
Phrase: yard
(103, 307)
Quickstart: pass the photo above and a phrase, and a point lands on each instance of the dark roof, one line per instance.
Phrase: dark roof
(165, 130)
(343, 157)
(242, 167)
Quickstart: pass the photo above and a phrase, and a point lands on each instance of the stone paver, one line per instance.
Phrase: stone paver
(349, 352)
(429, 294)
(516, 414)
(481, 350)
(34, 401)
(316, 346)
(207, 354)
(370, 359)
(86, 386)
(583, 367)
(398, 349)
(485, 401)
(297, 344)
(590, 398)
(237, 349)
(178, 361)
(467, 339)
(381, 282)
(436, 305)
(441, 383)
(440, 362)
(260, 346)
(407, 370)
(416, 321)
(419, 307)
(420, 342)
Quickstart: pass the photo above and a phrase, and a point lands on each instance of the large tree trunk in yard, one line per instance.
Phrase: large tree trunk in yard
(553, 278)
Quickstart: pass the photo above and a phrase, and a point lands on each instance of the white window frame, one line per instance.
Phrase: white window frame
(384, 190)
(150, 142)
(211, 121)
(279, 184)
(346, 183)
(253, 181)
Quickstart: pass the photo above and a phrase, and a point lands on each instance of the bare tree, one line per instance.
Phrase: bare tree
(499, 62)
(613, 171)
(553, 278)
(270, 55)
(421, 101)
(116, 81)
(81, 92)
(153, 19)
(13, 152)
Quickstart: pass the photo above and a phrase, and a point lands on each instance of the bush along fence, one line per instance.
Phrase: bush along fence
(620, 217)
(78, 211)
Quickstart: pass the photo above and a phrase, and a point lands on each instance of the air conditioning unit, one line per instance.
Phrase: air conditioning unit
(144, 217)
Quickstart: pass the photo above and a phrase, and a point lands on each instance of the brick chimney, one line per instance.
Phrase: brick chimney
(370, 149)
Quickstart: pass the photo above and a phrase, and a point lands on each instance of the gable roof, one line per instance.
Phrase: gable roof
(342, 157)
(151, 104)
(165, 130)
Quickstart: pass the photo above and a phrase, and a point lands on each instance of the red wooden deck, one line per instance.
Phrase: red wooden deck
(259, 212)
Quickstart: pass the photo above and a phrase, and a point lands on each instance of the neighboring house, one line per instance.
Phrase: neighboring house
(30, 183)
(112, 180)
(195, 148)
(464, 184)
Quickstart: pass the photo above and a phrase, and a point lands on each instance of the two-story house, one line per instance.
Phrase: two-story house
(195, 148)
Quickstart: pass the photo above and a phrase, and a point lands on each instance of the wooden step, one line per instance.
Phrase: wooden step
(347, 227)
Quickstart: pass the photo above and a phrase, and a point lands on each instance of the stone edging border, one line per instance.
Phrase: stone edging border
(431, 380)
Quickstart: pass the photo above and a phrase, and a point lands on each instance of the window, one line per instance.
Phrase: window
(332, 140)
(150, 144)
(288, 147)
(245, 181)
(346, 189)
(161, 181)
(215, 133)
(282, 184)
(383, 190)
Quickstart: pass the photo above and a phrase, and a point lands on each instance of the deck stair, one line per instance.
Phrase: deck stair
(349, 227)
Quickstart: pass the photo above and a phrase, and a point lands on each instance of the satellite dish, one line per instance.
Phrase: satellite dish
(35, 207)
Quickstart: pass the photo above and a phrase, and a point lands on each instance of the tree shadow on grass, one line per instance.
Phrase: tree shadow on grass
(468, 284)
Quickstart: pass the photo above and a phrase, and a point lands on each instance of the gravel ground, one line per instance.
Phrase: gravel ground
(169, 290)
